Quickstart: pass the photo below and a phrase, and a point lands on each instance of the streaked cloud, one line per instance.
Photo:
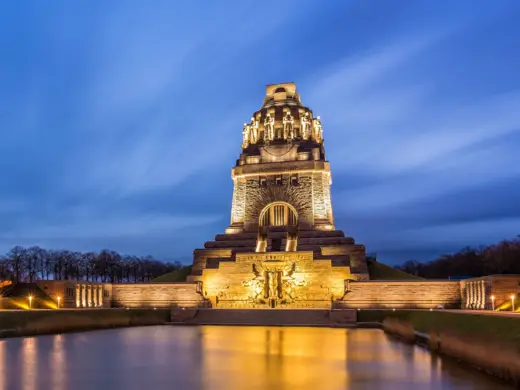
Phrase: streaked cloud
(119, 122)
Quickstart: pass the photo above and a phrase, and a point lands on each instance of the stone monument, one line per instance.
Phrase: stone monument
(281, 249)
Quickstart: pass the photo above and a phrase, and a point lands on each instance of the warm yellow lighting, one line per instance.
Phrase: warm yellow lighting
(493, 302)
(59, 299)
(30, 301)
(512, 303)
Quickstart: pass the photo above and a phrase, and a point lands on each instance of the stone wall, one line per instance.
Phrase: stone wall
(478, 293)
(157, 295)
(321, 198)
(239, 201)
(402, 294)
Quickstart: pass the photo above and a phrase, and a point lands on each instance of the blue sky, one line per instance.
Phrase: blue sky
(120, 121)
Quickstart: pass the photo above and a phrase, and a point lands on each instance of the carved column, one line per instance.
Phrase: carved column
(470, 291)
(94, 296)
(100, 295)
(468, 295)
(78, 295)
(479, 295)
(475, 295)
(483, 293)
(83, 295)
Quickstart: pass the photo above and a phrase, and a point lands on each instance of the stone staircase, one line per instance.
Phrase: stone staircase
(264, 317)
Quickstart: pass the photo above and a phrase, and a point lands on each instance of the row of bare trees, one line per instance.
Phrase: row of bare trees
(500, 258)
(34, 263)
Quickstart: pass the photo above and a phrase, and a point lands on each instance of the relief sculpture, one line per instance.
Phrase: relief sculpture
(273, 281)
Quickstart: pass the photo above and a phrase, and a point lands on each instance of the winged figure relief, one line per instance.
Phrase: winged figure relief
(258, 270)
(289, 269)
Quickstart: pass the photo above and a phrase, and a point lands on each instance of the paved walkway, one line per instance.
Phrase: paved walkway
(486, 312)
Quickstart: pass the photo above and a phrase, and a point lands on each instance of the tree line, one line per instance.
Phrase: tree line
(500, 258)
(34, 263)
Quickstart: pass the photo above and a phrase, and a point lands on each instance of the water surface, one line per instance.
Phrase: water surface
(228, 358)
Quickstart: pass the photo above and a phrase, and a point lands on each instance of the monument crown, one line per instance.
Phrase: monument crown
(281, 92)
(282, 119)
(282, 177)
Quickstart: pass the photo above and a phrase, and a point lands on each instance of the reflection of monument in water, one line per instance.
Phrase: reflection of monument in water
(274, 357)
(281, 249)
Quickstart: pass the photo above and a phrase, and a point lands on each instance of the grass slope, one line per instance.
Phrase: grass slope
(478, 326)
(380, 271)
(178, 275)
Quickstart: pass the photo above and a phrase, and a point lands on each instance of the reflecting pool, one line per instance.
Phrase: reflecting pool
(223, 357)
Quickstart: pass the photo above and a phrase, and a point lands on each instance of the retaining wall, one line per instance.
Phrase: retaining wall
(157, 295)
(402, 294)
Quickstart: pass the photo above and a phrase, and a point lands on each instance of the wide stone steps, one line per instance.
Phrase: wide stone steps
(303, 243)
(264, 317)
(282, 234)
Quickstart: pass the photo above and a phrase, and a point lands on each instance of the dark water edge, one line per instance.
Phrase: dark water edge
(14, 323)
(222, 357)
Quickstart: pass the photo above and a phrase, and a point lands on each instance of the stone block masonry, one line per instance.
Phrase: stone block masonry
(157, 295)
(422, 294)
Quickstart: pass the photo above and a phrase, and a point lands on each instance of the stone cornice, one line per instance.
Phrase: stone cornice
(280, 168)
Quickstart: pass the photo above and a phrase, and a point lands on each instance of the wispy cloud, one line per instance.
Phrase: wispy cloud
(123, 108)
(108, 226)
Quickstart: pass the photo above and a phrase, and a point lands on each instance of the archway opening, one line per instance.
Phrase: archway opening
(278, 214)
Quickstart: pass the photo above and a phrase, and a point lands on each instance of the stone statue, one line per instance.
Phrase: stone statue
(268, 128)
(305, 125)
(273, 285)
(254, 131)
(246, 135)
(288, 128)
(317, 129)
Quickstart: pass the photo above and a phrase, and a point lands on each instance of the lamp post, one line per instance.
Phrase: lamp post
(512, 303)
(59, 299)
(30, 301)
(493, 302)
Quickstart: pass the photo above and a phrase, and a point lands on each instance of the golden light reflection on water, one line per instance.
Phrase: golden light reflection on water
(28, 357)
(312, 358)
(264, 358)
(3, 373)
(228, 358)
(58, 363)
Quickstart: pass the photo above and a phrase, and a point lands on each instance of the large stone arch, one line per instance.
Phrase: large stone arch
(278, 214)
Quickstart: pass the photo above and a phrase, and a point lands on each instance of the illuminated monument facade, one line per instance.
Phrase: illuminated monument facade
(281, 248)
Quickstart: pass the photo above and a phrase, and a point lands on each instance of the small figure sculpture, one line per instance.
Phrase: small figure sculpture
(305, 126)
(317, 129)
(273, 285)
(268, 128)
(254, 131)
(246, 135)
(288, 121)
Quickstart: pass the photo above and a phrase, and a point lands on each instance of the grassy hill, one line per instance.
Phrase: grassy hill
(380, 271)
(18, 295)
(178, 275)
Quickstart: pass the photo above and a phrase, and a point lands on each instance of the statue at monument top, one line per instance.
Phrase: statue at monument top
(288, 123)
(282, 119)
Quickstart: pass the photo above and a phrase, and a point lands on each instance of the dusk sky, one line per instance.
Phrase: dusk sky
(120, 120)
